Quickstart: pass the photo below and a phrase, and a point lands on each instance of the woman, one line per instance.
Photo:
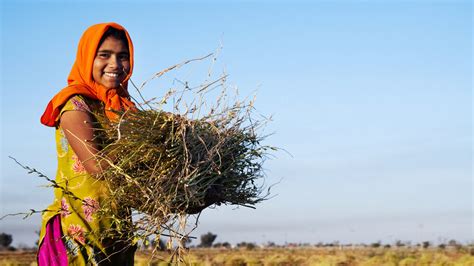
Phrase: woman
(74, 226)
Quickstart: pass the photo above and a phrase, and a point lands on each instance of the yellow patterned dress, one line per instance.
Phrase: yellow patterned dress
(80, 200)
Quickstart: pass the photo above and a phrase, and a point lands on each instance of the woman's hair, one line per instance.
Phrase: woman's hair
(116, 34)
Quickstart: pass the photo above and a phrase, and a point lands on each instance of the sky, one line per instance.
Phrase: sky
(372, 100)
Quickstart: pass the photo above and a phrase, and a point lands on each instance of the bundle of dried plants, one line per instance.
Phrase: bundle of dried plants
(166, 166)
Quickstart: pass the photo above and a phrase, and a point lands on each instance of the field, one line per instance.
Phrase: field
(346, 256)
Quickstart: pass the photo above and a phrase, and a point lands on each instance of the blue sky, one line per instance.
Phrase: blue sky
(372, 99)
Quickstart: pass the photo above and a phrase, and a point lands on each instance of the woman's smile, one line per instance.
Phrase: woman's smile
(114, 76)
(111, 63)
(111, 74)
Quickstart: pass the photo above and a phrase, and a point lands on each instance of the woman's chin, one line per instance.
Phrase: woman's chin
(112, 85)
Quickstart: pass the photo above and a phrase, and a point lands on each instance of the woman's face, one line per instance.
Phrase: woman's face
(111, 63)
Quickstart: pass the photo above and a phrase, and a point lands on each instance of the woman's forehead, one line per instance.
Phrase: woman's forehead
(113, 43)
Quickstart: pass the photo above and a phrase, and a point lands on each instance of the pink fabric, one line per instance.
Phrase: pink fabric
(52, 251)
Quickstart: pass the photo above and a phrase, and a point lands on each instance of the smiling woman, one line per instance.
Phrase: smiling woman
(74, 226)
(112, 61)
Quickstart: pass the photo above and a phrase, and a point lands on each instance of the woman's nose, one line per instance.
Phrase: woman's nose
(115, 61)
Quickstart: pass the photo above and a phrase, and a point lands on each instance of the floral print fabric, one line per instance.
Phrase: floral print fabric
(89, 206)
(79, 200)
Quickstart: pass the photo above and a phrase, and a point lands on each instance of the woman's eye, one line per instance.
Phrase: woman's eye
(123, 57)
(103, 55)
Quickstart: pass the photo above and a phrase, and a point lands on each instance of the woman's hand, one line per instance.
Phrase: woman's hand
(213, 196)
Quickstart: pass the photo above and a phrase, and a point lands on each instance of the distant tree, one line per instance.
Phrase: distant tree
(425, 244)
(251, 246)
(399, 243)
(271, 244)
(5, 240)
(246, 245)
(452, 242)
(442, 246)
(376, 244)
(207, 240)
(387, 246)
(222, 245)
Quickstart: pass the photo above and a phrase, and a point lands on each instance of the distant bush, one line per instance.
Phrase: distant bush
(207, 240)
(426, 244)
(399, 243)
(376, 244)
(247, 245)
(5, 240)
(222, 245)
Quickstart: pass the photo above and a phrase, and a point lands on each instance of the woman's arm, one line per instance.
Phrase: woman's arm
(79, 132)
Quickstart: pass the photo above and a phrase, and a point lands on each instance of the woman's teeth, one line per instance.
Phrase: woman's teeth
(112, 75)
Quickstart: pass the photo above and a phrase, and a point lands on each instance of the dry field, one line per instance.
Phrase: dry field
(291, 256)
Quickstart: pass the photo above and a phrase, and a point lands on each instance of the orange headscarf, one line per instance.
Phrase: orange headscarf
(80, 80)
